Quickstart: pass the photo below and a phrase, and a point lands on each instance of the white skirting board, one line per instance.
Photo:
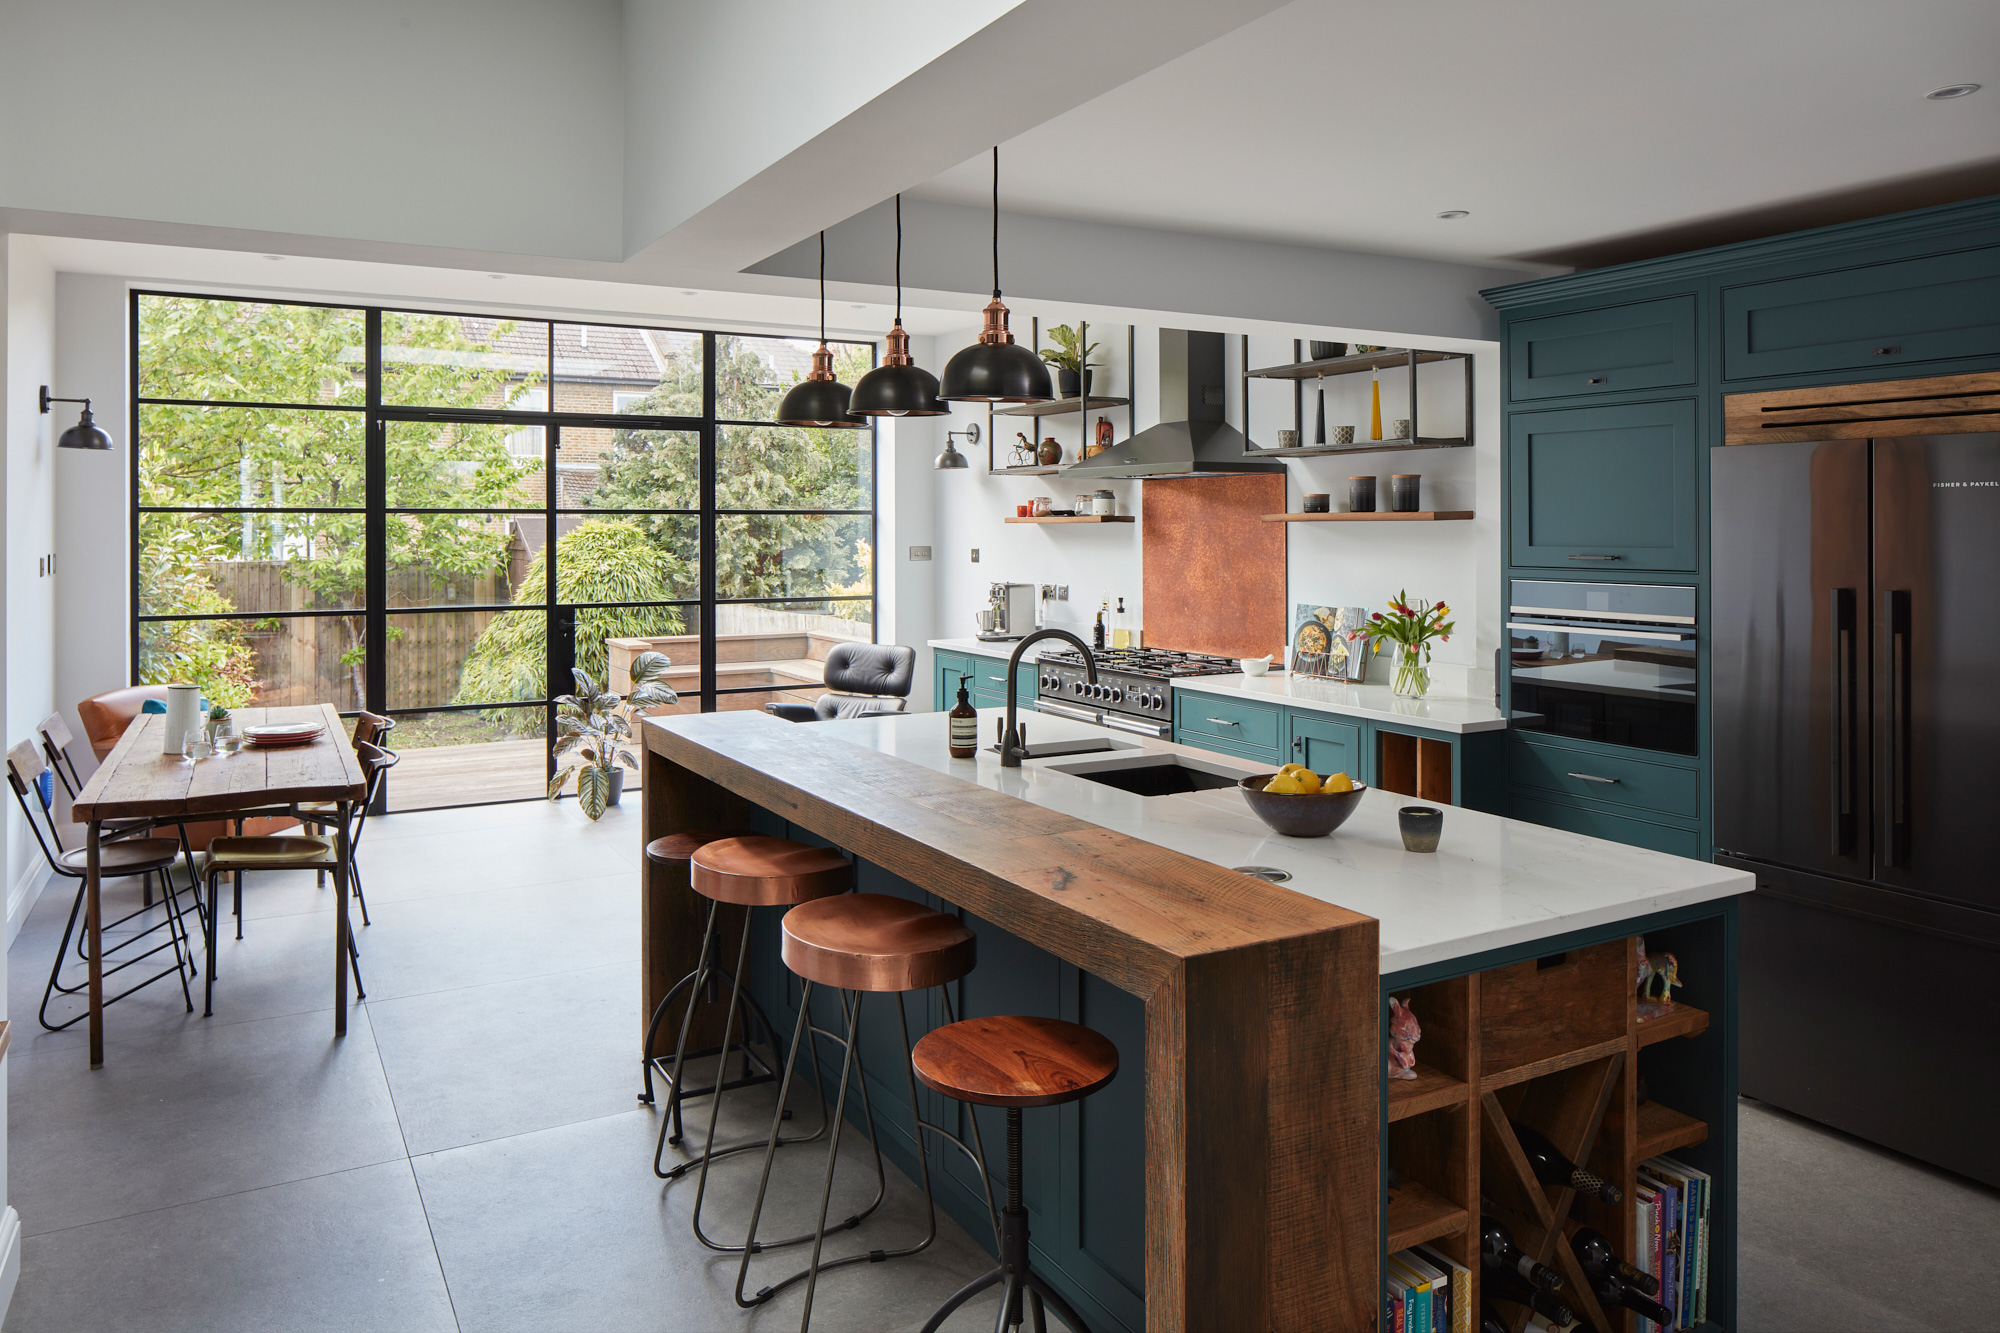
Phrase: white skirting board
(10, 1257)
(24, 894)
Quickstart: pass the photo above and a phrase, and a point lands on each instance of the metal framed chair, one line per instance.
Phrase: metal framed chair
(122, 858)
(369, 729)
(56, 741)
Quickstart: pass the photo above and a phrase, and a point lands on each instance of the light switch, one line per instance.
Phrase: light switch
(975, 555)
(920, 553)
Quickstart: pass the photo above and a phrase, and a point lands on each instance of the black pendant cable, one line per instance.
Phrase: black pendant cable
(899, 387)
(996, 369)
(819, 399)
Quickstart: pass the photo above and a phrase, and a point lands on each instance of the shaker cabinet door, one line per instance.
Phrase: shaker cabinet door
(1326, 746)
(1641, 345)
(1604, 488)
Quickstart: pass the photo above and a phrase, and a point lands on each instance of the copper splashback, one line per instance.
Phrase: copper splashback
(1214, 570)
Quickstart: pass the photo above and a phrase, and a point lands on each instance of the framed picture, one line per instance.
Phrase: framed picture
(1320, 646)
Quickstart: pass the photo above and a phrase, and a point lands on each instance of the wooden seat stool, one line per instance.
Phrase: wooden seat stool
(858, 944)
(1014, 1062)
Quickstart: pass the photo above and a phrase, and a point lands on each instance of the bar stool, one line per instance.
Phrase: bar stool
(862, 943)
(754, 872)
(1014, 1062)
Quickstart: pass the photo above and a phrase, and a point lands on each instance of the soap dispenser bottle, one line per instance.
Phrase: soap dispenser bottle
(962, 735)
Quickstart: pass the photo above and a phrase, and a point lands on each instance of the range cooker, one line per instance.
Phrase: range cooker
(1133, 691)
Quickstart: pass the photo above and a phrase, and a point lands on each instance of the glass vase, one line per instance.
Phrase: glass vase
(1413, 674)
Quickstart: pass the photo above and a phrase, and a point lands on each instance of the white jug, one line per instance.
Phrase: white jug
(183, 716)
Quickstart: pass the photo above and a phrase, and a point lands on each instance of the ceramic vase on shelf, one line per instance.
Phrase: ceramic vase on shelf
(1413, 672)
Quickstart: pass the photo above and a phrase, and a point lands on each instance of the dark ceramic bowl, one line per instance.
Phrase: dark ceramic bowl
(1304, 815)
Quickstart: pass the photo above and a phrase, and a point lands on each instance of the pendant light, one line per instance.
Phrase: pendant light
(898, 387)
(996, 369)
(819, 399)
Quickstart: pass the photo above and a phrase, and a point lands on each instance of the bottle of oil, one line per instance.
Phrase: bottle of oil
(963, 724)
(1097, 631)
(1121, 633)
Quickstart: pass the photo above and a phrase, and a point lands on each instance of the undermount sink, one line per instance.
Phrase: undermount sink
(1050, 749)
(1154, 775)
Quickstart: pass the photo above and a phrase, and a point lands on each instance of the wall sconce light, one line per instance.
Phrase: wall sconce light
(951, 459)
(85, 434)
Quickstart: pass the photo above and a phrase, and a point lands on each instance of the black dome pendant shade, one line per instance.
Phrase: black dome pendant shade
(996, 369)
(819, 399)
(899, 387)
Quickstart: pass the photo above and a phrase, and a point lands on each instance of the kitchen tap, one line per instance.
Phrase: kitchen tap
(1011, 749)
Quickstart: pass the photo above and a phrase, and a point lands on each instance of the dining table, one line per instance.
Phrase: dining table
(141, 779)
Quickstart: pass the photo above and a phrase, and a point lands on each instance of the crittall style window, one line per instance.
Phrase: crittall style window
(436, 516)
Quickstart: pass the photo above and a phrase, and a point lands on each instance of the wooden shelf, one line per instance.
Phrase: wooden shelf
(1418, 1214)
(1024, 471)
(1057, 407)
(1369, 447)
(1428, 1091)
(1503, 1078)
(1426, 516)
(1079, 518)
(1684, 1021)
(1386, 359)
(1663, 1129)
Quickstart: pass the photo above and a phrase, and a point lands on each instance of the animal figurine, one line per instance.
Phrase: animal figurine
(1645, 969)
(1665, 969)
(1404, 1034)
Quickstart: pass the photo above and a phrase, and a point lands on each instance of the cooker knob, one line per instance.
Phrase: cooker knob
(1076, 687)
(1117, 695)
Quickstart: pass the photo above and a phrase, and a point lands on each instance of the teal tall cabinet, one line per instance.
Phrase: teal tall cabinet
(1615, 381)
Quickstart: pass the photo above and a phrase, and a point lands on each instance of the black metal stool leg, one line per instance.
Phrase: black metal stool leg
(960, 1297)
(670, 1127)
(1042, 1291)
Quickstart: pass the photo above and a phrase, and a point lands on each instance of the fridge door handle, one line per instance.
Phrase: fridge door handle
(1845, 719)
(1896, 814)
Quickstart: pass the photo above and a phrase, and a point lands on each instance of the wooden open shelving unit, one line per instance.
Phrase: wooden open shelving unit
(1379, 516)
(1298, 371)
(1077, 518)
(1552, 1043)
(1418, 766)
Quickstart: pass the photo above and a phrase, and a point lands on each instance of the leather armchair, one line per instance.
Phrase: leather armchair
(861, 678)
(105, 717)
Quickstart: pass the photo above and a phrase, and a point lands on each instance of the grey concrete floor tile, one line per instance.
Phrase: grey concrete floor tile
(484, 1062)
(340, 1253)
(193, 1115)
(1780, 1294)
(567, 1229)
(448, 865)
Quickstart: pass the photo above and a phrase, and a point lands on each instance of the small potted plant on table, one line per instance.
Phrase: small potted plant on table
(592, 728)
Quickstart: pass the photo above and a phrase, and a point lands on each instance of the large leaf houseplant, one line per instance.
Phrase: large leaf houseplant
(593, 727)
(1071, 359)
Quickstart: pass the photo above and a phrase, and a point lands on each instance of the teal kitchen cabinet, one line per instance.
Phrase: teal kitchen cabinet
(988, 683)
(1607, 774)
(946, 668)
(1248, 731)
(1639, 345)
(1604, 488)
(1878, 315)
(1581, 817)
(1326, 744)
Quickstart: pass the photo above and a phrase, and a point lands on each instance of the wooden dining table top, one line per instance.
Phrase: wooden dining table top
(138, 780)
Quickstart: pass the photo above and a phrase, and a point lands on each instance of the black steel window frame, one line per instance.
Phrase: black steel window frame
(376, 510)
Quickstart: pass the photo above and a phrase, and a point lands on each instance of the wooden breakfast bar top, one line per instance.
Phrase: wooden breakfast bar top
(1262, 1010)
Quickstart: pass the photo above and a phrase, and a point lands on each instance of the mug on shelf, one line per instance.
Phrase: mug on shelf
(1288, 439)
(1343, 435)
(1399, 429)
(1022, 511)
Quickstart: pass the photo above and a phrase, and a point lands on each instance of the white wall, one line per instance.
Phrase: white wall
(906, 589)
(30, 532)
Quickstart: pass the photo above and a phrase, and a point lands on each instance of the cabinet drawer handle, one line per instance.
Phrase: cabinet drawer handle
(1597, 557)
(1892, 350)
(1592, 777)
(1001, 679)
(1224, 722)
(1595, 379)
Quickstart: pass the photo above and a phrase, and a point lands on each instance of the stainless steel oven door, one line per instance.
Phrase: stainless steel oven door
(1063, 708)
(1617, 683)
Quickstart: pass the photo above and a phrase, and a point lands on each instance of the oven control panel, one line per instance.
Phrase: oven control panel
(1114, 691)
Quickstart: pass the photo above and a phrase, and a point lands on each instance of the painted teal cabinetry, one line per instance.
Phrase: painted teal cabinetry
(1604, 488)
(1578, 817)
(1249, 731)
(988, 684)
(1641, 345)
(1928, 309)
(1609, 774)
(946, 669)
(1327, 745)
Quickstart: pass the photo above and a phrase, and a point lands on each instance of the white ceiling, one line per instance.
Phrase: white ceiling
(1558, 123)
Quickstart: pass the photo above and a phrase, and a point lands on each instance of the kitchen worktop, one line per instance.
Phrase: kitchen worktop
(1492, 883)
(1376, 702)
(1000, 648)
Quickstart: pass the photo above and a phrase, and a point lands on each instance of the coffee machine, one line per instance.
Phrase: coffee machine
(1009, 613)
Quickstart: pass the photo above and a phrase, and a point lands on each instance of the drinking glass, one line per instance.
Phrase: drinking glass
(194, 745)
(228, 740)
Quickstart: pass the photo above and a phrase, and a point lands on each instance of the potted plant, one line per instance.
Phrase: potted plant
(592, 727)
(1411, 629)
(1071, 359)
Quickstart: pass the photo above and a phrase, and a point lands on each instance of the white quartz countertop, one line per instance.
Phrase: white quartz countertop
(1376, 702)
(1493, 883)
(1000, 648)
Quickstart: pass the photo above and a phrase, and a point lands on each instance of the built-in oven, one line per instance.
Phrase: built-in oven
(1612, 662)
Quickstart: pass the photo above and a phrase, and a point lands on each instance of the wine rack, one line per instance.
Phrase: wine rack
(1555, 1043)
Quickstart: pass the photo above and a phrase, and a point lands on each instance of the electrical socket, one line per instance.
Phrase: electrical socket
(975, 555)
(1062, 592)
(920, 553)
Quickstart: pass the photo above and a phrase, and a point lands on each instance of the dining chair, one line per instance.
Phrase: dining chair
(122, 858)
(369, 729)
(56, 740)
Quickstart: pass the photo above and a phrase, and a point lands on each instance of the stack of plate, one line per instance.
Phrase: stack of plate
(280, 735)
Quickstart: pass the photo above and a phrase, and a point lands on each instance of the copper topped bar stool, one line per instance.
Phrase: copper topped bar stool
(862, 943)
(1014, 1062)
(753, 872)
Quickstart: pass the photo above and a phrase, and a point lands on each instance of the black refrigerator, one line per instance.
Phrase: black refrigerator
(1855, 655)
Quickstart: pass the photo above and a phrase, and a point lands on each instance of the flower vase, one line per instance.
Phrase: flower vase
(1413, 673)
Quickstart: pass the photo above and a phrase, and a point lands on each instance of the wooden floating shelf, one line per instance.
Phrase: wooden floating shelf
(1427, 516)
(1663, 1130)
(1058, 407)
(1418, 1214)
(1079, 518)
(1370, 447)
(1430, 1090)
(1387, 359)
(1684, 1021)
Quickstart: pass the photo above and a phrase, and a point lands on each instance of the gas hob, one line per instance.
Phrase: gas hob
(1132, 691)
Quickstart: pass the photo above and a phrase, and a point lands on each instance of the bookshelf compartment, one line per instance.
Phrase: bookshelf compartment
(1429, 1091)
(1684, 1021)
(1418, 1214)
(1663, 1130)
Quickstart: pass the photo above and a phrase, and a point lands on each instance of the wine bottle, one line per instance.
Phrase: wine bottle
(1509, 1285)
(1497, 1250)
(1490, 1320)
(1552, 1168)
(1612, 1286)
(1594, 1251)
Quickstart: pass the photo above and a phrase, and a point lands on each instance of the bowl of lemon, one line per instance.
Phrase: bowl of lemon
(1299, 803)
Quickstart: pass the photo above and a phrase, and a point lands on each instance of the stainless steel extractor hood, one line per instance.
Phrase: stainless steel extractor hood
(1192, 439)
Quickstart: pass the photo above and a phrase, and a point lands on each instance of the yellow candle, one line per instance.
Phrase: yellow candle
(1375, 417)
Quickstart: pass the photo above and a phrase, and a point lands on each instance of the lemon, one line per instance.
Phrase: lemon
(1307, 779)
(1293, 768)
(1285, 784)
(1338, 782)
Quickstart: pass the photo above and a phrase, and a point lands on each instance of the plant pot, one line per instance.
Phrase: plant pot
(1067, 382)
(617, 786)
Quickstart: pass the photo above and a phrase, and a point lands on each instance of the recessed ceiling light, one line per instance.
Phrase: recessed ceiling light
(1454, 214)
(688, 291)
(859, 306)
(1951, 90)
(274, 256)
(496, 275)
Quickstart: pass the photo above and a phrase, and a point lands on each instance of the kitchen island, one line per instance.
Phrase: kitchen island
(1236, 1182)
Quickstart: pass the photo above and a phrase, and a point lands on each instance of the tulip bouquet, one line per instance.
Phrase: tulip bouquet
(1411, 628)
